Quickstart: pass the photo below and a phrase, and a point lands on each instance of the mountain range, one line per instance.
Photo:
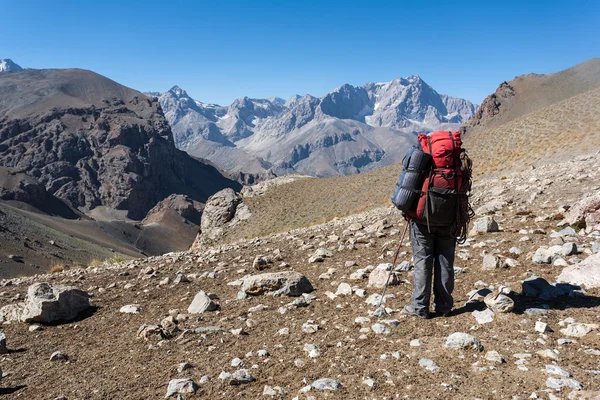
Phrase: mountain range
(82, 154)
(349, 130)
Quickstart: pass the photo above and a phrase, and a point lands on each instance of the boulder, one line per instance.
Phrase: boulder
(586, 213)
(499, 302)
(240, 377)
(289, 283)
(459, 340)
(490, 262)
(326, 384)
(485, 224)
(379, 276)
(181, 386)
(148, 332)
(586, 273)
(202, 303)
(46, 303)
(219, 210)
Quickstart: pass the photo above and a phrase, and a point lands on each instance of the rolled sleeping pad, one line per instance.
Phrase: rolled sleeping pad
(407, 190)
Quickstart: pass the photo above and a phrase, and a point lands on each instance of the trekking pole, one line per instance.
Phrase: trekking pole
(378, 311)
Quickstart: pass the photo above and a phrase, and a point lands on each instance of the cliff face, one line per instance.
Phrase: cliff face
(94, 143)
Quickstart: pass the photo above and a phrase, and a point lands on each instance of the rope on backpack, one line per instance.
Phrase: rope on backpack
(464, 210)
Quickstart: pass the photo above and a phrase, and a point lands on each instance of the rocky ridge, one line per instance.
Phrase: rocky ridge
(324, 340)
(349, 130)
(95, 144)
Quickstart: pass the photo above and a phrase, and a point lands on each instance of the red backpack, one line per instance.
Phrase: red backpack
(443, 198)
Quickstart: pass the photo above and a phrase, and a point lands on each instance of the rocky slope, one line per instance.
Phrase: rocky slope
(202, 323)
(94, 143)
(533, 92)
(76, 145)
(350, 130)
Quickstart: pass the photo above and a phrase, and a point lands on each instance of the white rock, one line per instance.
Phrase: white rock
(483, 317)
(459, 340)
(131, 309)
(201, 303)
(494, 356)
(578, 330)
(181, 386)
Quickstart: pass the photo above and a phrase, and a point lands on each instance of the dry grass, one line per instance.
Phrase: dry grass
(312, 201)
(569, 127)
(56, 268)
(113, 260)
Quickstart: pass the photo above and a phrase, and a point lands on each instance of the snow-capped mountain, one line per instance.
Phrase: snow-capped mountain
(349, 130)
(7, 65)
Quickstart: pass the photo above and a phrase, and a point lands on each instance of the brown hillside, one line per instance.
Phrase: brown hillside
(532, 92)
(569, 127)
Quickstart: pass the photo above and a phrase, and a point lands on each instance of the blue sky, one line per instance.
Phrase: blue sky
(221, 50)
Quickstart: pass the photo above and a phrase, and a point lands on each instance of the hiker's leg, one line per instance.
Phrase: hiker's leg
(422, 246)
(443, 276)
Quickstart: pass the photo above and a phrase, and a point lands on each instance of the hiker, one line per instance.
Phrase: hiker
(433, 194)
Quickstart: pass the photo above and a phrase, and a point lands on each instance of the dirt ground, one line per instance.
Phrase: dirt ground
(108, 361)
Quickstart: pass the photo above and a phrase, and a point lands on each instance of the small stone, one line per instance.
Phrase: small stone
(131, 309)
(273, 391)
(36, 328)
(483, 317)
(323, 253)
(261, 262)
(201, 303)
(59, 356)
(429, 365)
(559, 383)
(299, 363)
(499, 302)
(515, 250)
(485, 224)
(556, 370)
(548, 353)
(181, 386)
(577, 329)
(542, 327)
(560, 262)
(241, 377)
(369, 382)
(416, 343)
(237, 362)
(262, 353)
(224, 375)
(183, 366)
(380, 329)
(326, 384)
(494, 356)
(490, 262)
(459, 340)
(344, 289)
(309, 328)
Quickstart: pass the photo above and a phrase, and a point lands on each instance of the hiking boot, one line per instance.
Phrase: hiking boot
(410, 311)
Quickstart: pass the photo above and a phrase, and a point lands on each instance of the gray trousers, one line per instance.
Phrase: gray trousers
(433, 254)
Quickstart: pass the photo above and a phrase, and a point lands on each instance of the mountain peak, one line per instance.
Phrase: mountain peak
(178, 92)
(8, 65)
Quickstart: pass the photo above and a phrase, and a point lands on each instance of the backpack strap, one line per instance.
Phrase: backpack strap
(430, 180)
